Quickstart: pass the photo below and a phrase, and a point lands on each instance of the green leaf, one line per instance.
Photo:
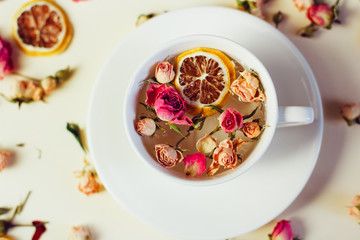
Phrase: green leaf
(215, 108)
(278, 18)
(308, 31)
(4, 210)
(75, 130)
(148, 107)
(20, 207)
(62, 75)
(251, 114)
(176, 129)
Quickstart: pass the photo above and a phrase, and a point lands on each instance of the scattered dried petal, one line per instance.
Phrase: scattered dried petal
(355, 207)
(143, 18)
(303, 4)
(80, 233)
(40, 229)
(89, 183)
(3, 159)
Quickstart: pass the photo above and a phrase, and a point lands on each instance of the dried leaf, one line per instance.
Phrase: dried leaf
(278, 18)
(21, 206)
(75, 130)
(176, 129)
(4, 210)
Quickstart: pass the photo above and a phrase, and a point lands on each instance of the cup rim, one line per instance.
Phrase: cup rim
(193, 41)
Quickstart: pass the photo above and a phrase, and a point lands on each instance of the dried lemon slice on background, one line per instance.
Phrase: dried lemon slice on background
(203, 77)
(41, 28)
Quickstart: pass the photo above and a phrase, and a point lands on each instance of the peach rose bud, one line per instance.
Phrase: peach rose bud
(247, 88)
(195, 164)
(3, 159)
(79, 233)
(350, 112)
(167, 156)
(355, 207)
(145, 127)
(164, 72)
(251, 129)
(282, 231)
(206, 144)
(48, 84)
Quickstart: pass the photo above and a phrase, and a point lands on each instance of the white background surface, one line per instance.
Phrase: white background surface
(320, 211)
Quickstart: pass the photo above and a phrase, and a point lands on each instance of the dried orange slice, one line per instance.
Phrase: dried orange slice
(203, 78)
(41, 28)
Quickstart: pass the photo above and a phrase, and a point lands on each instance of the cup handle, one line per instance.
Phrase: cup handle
(295, 116)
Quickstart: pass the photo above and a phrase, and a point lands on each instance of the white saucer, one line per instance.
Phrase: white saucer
(225, 210)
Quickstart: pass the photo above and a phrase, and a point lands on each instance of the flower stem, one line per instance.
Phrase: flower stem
(215, 130)
(177, 144)
(24, 76)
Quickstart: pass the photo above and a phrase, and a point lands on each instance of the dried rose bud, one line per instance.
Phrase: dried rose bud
(89, 183)
(6, 62)
(320, 15)
(80, 233)
(145, 127)
(164, 72)
(206, 144)
(251, 129)
(350, 111)
(48, 84)
(167, 156)
(195, 164)
(25, 90)
(355, 207)
(3, 159)
(62, 75)
(282, 231)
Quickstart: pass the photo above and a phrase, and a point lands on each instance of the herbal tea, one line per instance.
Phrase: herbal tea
(201, 112)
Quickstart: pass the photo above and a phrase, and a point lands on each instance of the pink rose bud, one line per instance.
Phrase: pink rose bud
(320, 15)
(303, 4)
(6, 62)
(350, 111)
(80, 233)
(206, 144)
(251, 129)
(282, 231)
(48, 84)
(195, 164)
(3, 159)
(167, 156)
(230, 120)
(355, 207)
(145, 127)
(164, 72)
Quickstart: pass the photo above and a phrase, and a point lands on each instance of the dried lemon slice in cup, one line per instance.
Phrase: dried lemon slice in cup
(41, 28)
(203, 78)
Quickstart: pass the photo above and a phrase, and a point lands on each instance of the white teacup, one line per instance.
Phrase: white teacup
(275, 116)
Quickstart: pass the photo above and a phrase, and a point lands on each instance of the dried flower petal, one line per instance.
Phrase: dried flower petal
(355, 207)
(3, 159)
(195, 164)
(40, 229)
(6, 62)
(80, 233)
(89, 183)
(282, 231)
(303, 4)
(143, 18)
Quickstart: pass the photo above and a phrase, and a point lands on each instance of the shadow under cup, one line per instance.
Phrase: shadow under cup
(239, 54)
